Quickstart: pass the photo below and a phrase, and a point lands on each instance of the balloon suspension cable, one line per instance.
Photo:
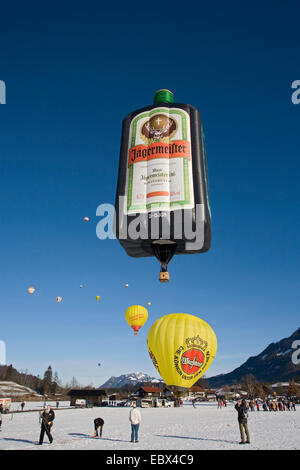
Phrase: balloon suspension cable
(164, 253)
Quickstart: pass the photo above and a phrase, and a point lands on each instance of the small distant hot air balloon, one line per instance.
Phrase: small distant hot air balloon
(181, 347)
(86, 219)
(31, 290)
(99, 364)
(148, 303)
(81, 286)
(97, 297)
(58, 299)
(136, 316)
(126, 285)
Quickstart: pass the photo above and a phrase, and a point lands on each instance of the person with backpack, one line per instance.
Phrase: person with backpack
(242, 409)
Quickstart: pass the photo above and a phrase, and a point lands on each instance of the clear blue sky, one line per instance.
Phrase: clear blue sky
(73, 71)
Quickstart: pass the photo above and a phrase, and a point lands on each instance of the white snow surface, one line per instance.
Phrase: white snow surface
(185, 428)
(9, 389)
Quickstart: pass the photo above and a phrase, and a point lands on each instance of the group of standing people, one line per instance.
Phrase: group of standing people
(273, 405)
(279, 405)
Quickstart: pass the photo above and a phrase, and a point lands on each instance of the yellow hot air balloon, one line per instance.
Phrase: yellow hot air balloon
(181, 347)
(136, 316)
(97, 297)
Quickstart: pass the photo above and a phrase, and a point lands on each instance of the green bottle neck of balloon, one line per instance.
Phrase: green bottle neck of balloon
(163, 96)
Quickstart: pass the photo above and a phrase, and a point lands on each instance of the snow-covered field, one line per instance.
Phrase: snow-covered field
(184, 428)
(9, 389)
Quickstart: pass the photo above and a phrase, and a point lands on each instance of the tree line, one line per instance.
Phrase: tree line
(48, 384)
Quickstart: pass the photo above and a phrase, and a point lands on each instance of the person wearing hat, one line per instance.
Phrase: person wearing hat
(242, 409)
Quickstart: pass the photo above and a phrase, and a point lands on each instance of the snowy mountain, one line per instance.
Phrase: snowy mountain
(274, 364)
(132, 379)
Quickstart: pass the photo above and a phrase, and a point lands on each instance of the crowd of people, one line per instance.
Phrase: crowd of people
(280, 404)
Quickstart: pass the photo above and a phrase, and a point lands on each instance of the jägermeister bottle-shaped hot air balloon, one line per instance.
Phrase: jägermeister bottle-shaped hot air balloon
(162, 203)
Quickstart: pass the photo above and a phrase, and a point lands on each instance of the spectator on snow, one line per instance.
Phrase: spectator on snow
(135, 420)
(265, 406)
(47, 418)
(1, 412)
(98, 425)
(242, 409)
(293, 406)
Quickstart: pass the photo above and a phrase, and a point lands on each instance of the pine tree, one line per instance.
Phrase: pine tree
(56, 378)
(47, 380)
(9, 373)
(74, 383)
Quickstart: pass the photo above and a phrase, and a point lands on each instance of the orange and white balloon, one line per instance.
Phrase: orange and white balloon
(30, 290)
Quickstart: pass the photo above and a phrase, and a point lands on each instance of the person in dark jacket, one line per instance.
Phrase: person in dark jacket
(98, 424)
(47, 417)
(1, 411)
(242, 409)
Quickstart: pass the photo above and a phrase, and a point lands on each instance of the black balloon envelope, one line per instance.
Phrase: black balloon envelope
(162, 203)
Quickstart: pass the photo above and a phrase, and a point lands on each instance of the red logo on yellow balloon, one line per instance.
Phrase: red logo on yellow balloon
(191, 361)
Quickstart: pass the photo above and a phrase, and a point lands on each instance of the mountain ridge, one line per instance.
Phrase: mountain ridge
(273, 364)
(131, 379)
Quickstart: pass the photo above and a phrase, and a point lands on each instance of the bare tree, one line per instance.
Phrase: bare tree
(249, 384)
